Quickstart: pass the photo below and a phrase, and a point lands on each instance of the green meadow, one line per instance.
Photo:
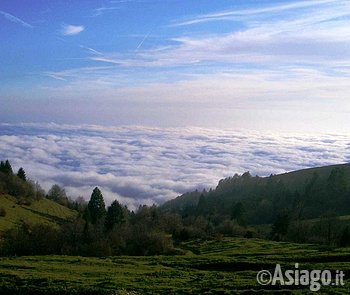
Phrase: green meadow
(226, 266)
(209, 248)
(41, 211)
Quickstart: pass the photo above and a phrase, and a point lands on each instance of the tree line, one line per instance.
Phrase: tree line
(238, 206)
(306, 212)
(100, 230)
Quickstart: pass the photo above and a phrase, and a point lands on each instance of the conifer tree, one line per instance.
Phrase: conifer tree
(96, 205)
(21, 174)
(6, 167)
(114, 215)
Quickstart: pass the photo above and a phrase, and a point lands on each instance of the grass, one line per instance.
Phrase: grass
(298, 178)
(43, 211)
(227, 266)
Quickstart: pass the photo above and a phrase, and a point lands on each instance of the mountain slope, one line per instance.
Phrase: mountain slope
(42, 211)
(297, 178)
(309, 193)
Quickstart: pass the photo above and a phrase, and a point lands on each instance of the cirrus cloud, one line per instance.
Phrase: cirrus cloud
(15, 19)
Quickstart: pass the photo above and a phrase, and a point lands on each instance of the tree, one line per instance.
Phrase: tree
(246, 176)
(21, 174)
(337, 182)
(280, 227)
(203, 205)
(39, 192)
(115, 215)
(329, 227)
(237, 213)
(80, 204)
(58, 194)
(96, 205)
(345, 237)
(6, 167)
(26, 239)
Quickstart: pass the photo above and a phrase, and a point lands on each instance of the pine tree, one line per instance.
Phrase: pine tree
(6, 167)
(21, 174)
(280, 227)
(237, 213)
(114, 215)
(96, 205)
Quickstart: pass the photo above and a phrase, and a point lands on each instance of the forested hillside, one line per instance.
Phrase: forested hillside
(257, 200)
(308, 206)
(22, 200)
(287, 201)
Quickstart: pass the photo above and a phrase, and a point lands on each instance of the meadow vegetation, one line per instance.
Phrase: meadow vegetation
(209, 242)
(225, 266)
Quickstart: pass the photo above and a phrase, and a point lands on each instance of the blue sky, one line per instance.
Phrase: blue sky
(250, 80)
(276, 65)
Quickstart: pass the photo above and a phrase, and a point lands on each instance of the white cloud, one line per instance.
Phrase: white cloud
(70, 30)
(15, 19)
(101, 10)
(307, 32)
(141, 165)
(287, 98)
(290, 57)
(237, 14)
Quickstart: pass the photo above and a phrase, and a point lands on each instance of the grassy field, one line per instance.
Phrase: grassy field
(228, 266)
(43, 211)
(298, 178)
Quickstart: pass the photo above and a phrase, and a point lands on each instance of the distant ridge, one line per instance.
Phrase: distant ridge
(310, 187)
(298, 177)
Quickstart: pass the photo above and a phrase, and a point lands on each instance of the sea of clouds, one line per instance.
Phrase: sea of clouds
(144, 165)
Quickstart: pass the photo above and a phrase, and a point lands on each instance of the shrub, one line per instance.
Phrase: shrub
(27, 239)
(231, 228)
(24, 201)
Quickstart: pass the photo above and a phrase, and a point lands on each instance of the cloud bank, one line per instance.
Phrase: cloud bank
(139, 165)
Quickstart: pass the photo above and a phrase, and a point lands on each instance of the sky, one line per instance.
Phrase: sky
(149, 99)
(275, 65)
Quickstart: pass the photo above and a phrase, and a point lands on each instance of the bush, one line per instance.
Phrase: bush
(27, 239)
(24, 201)
(143, 242)
(15, 186)
(231, 228)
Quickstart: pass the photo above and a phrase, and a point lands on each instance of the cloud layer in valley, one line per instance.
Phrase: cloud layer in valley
(139, 165)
